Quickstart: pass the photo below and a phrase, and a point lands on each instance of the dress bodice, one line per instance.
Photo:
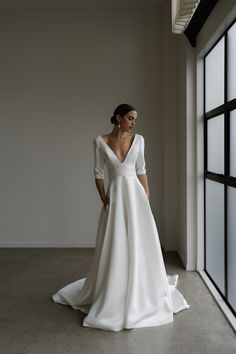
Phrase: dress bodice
(132, 165)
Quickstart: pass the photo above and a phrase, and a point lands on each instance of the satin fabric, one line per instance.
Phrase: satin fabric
(126, 285)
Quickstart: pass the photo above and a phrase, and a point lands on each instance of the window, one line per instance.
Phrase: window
(220, 165)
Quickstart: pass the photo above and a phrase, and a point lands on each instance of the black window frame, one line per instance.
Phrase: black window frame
(225, 179)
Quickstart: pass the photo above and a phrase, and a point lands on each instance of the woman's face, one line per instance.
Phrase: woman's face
(127, 122)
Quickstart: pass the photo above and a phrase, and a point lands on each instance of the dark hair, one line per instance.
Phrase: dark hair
(122, 110)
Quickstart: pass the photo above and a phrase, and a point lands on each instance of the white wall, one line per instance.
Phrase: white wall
(62, 74)
(182, 141)
(170, 131)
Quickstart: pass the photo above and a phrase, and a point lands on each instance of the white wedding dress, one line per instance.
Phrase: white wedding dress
(126, 285)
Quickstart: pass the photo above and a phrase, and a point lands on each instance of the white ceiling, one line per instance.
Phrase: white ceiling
(39, 4)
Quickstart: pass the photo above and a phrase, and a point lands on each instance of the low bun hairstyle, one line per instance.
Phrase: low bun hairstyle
(122, 110)
(113, 120)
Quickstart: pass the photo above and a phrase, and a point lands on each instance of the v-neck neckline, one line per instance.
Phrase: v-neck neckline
(131, 146)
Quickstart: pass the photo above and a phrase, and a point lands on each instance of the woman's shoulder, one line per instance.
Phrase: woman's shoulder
(96, 140)
(140, 136)
(96, 137)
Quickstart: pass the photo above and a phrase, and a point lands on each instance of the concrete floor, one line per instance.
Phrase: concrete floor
(31, 323)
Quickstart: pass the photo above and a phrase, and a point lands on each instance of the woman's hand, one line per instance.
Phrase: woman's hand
(106, 201)
(144, 181)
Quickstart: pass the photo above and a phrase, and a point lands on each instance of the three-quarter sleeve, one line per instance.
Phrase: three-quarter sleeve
(99, 160)
(140, 162)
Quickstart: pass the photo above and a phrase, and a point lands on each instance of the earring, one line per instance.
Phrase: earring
(118, 125)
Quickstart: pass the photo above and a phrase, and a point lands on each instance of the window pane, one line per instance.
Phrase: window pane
(215, 76)
(231, 70)
(215, 148)
(233, 143)
(215, 232)
(231, 247)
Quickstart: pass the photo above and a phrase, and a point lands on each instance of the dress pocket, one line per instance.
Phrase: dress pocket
(142, 189)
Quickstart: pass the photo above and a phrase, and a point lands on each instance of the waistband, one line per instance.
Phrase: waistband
(122, 171)
(122, 175)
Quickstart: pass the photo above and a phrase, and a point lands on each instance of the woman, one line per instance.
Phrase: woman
(126, 285)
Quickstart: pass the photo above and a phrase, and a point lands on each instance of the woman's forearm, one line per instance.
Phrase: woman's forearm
(101, 189)
(144, 180)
